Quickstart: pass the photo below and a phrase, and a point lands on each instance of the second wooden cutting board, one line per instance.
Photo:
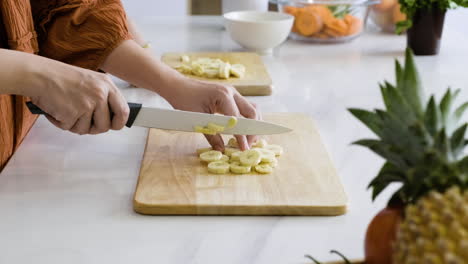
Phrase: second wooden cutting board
(173, 181)
(256, 81)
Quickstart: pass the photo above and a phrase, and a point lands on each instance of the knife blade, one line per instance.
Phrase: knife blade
(186, 121)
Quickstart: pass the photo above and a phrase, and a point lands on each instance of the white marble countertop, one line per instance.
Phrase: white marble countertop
(68, 199)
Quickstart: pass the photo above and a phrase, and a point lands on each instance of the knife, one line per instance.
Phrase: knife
(186, 121)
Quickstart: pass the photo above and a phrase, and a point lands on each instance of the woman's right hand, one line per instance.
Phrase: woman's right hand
(80, 100)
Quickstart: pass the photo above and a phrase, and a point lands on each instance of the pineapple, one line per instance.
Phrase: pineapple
(423, 146)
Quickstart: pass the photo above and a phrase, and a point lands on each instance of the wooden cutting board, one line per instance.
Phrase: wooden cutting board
(256, 81)
(174, 182)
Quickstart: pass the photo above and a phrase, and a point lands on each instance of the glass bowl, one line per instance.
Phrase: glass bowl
(326, 21)
(386, 14)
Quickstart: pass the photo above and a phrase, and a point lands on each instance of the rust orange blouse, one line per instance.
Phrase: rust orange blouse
(78, 32)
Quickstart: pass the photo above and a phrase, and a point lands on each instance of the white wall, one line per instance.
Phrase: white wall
(143, 8)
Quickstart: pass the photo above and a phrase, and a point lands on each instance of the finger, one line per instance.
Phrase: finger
(101, 119)
(242, 142)
(253, 138)
(83, 124)
(247, 110)
(118, 106)
(228, 106)
(64, 125)
(216, 142)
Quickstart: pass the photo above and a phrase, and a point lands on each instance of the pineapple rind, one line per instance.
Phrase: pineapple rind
(434, 229)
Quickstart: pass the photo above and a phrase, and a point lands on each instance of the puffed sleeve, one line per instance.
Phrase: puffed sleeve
(83, 33)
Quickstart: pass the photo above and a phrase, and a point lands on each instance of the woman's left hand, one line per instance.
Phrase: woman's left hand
(197, 96)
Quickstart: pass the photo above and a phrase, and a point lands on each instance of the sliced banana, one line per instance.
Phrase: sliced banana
(278, 150)
(238, 168)
(261, 143)
(235, 156)
(224, 158)
(273, 163)
(212, 155)
(185, 59)
(232, 122)
(267, 155)
(203, 150)
(228, 151)
(263, 168)
(210, 73)
(237, 70)
(224, 70)
(185, 69)
(233, 143)
(250, 157)
(215, 127)
(218, 167)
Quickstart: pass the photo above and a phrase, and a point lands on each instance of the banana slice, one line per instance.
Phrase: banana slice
(211, 155)
(237, 70)
(278, 150)
(267, 155)
(238, 168)
(263, 168)
(232, 122)
(198, 70)
(185, 59)
(261, 143)
(185, 69)
(203, 150)
(215, 127)
(232, 143)
(224, 158)
(235, 156)
(210, 73)
(228, 151)
(218, 167)
(273, 163)
(250, 157)
(224, 70)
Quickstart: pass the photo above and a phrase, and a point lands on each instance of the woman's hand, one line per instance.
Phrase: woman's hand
(75, 99)
(213, 98)
(80, 100)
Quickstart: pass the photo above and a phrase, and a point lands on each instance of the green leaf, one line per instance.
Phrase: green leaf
(442, 145)
(384, 150)
(370, 119)
(460, 111)
(398, 71)
(445, 105)
(432, 117)
(457, 141)
(411, 88)
(388, 173)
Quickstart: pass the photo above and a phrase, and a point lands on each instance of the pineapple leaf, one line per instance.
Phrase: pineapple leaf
(442, 145)
(398, 71)
(460, 111)
(446, 103)
(384, 150)
(388, 173)
(370, 119)
(410, 85)
(432, 117)
(396, 104)
(457, 142)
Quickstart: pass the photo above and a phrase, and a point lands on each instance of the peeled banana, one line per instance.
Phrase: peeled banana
(218, 167)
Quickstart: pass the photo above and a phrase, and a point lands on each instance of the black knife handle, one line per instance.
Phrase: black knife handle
(134, 110)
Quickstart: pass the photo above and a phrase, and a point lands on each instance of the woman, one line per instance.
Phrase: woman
(74, 40)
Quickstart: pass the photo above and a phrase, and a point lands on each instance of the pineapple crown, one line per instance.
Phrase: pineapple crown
(422, 142)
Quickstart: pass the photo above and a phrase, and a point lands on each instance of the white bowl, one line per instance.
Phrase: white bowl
(258, 31)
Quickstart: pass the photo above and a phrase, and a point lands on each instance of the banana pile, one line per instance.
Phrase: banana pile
(262, 158)
(210, 68)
